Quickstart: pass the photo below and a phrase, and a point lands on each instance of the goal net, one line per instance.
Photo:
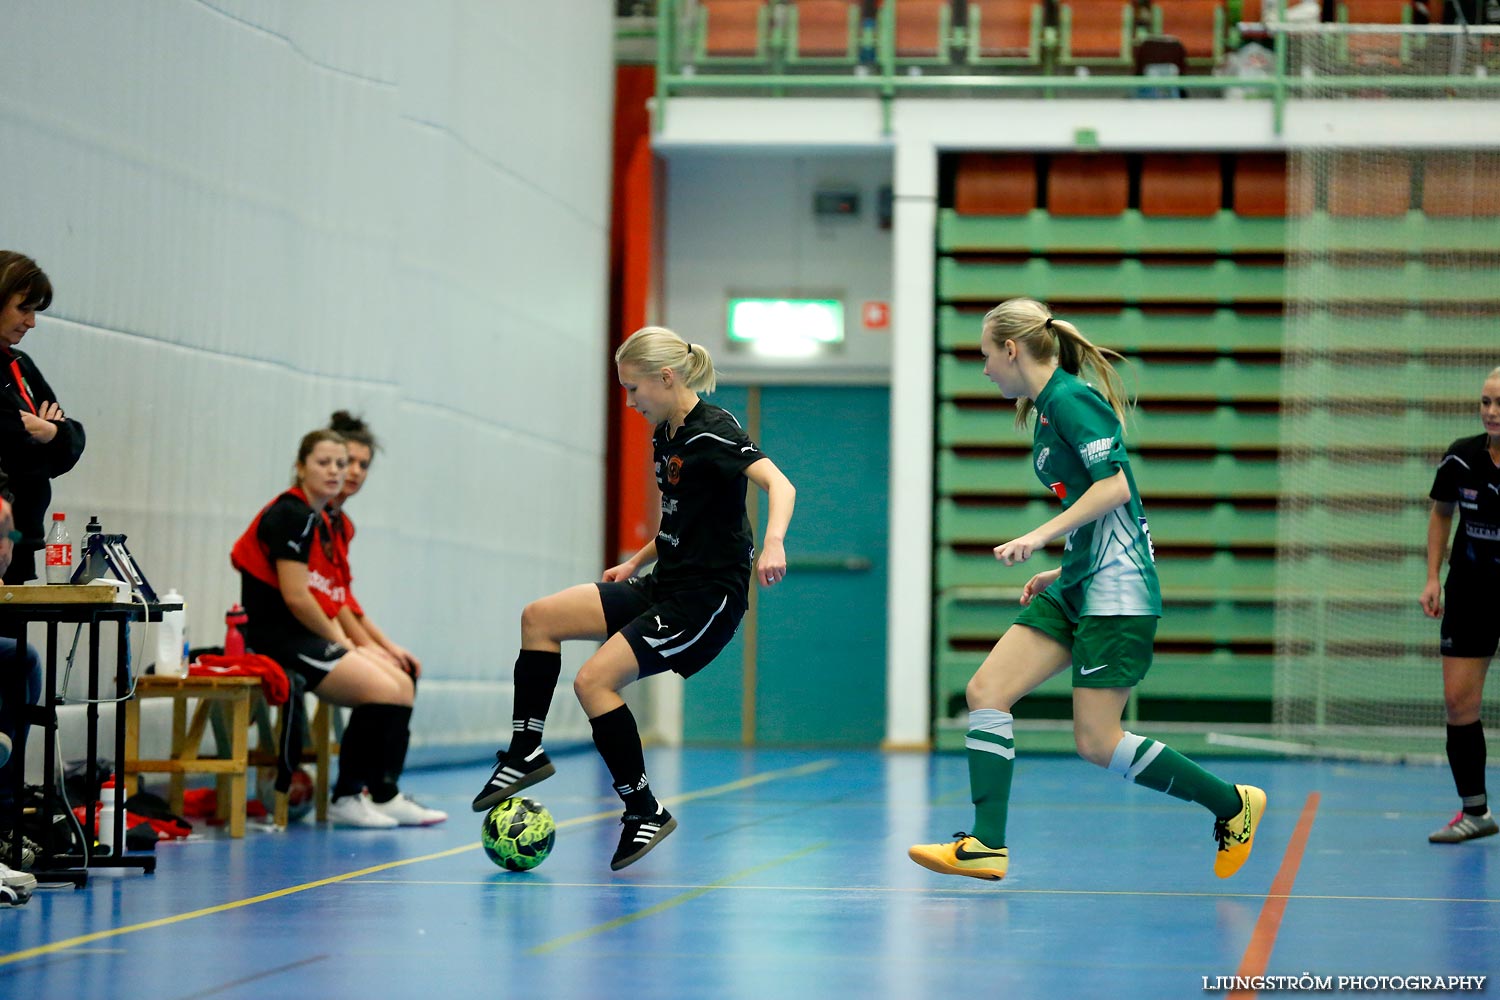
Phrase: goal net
(1392, 323)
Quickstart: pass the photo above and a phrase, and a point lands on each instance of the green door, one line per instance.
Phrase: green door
(817, 673)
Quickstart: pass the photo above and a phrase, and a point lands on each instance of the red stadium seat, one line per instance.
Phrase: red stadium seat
(732, 29)
(1182, 185)
(1454, 185)
(1197, 24)
(1260, 186)
(1095, 31)
(1088, 184)
(921, 30)
(1005, 31)
(822, 31)
(1375, 11)
(995, 184)
(1362, 185)
(1375, 50)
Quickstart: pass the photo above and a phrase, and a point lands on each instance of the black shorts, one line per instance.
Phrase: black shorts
(305, 654)
(1471, 629)
(681, 631)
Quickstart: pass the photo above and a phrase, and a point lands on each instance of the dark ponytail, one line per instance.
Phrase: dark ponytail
(353, 429)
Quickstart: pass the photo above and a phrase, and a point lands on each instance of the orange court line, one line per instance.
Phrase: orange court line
(1258, 952)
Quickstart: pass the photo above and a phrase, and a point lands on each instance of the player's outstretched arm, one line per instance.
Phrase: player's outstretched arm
(1039, 583)
(1098, 500)
(781, 498)
(630, 567)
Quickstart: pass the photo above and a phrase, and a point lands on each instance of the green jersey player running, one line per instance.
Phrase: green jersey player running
(1097, 612)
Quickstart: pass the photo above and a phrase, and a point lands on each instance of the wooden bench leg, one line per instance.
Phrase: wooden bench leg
(239, 753)
(179, 738)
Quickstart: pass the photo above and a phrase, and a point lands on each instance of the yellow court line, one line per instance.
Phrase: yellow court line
(207, 911)
(46, 949)
(668, 904)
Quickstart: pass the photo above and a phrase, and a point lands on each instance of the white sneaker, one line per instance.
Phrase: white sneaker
(4, 749)
(24, 881)
(407, 811)
(358, 811)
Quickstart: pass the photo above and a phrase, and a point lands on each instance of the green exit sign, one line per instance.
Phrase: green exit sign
(788, 322)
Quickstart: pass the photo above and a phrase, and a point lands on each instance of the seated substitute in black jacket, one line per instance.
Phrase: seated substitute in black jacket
(38, 442)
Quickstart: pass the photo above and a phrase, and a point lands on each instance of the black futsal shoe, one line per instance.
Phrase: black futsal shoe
(512, 774)
(640, 833)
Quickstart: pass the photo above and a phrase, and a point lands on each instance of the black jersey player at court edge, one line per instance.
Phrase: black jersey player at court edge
(1468, 481)
(680, 616)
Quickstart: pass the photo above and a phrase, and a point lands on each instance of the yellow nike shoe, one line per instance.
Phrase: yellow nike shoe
(1237, 835)
(965, 856)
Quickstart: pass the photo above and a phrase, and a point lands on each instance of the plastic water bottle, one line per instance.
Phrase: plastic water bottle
(170, 635)
(91, 562)
(59, 550)
(107, 806)
(234, 642)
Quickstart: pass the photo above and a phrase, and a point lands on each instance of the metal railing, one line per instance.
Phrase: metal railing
(878, 72)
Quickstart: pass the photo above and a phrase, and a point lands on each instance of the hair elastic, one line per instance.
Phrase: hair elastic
(1048, 323)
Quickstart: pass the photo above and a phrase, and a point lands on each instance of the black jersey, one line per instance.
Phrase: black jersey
(289, 529)
(1469, 478)
(705, 537)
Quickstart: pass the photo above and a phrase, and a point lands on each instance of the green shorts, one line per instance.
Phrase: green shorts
(1113, 652)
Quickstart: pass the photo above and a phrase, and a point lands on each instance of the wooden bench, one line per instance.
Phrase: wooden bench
(235, 694)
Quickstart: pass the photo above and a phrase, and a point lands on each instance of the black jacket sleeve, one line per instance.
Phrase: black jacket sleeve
(58, 456)
(20, 453)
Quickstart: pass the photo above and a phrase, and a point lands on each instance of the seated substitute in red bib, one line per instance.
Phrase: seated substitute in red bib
(293, 582)
(676, 619)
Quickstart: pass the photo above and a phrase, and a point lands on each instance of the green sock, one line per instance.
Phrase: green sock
(1156, 765)
(992, 755)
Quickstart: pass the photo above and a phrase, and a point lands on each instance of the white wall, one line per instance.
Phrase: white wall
(742, 224)
(257, 211)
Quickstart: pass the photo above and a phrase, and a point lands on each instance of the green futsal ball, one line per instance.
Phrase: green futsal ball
(518, 833)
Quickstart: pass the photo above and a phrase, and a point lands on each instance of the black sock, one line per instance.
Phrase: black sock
(394, 735)
(1466, 754)
(536, 678)
(619, 743)
(355, 752)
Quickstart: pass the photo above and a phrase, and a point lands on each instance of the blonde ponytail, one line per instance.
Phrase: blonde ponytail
(653, 348)
(1032, 326)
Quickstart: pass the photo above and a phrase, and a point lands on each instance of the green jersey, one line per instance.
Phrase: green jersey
(1108, 567)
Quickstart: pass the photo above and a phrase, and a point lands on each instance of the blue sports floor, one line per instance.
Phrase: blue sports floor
(788, 878)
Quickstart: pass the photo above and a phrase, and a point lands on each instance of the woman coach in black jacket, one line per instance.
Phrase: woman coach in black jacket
(37, 442)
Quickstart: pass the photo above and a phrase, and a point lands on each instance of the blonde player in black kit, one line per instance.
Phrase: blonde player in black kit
(680, 616)
(1468, 479)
